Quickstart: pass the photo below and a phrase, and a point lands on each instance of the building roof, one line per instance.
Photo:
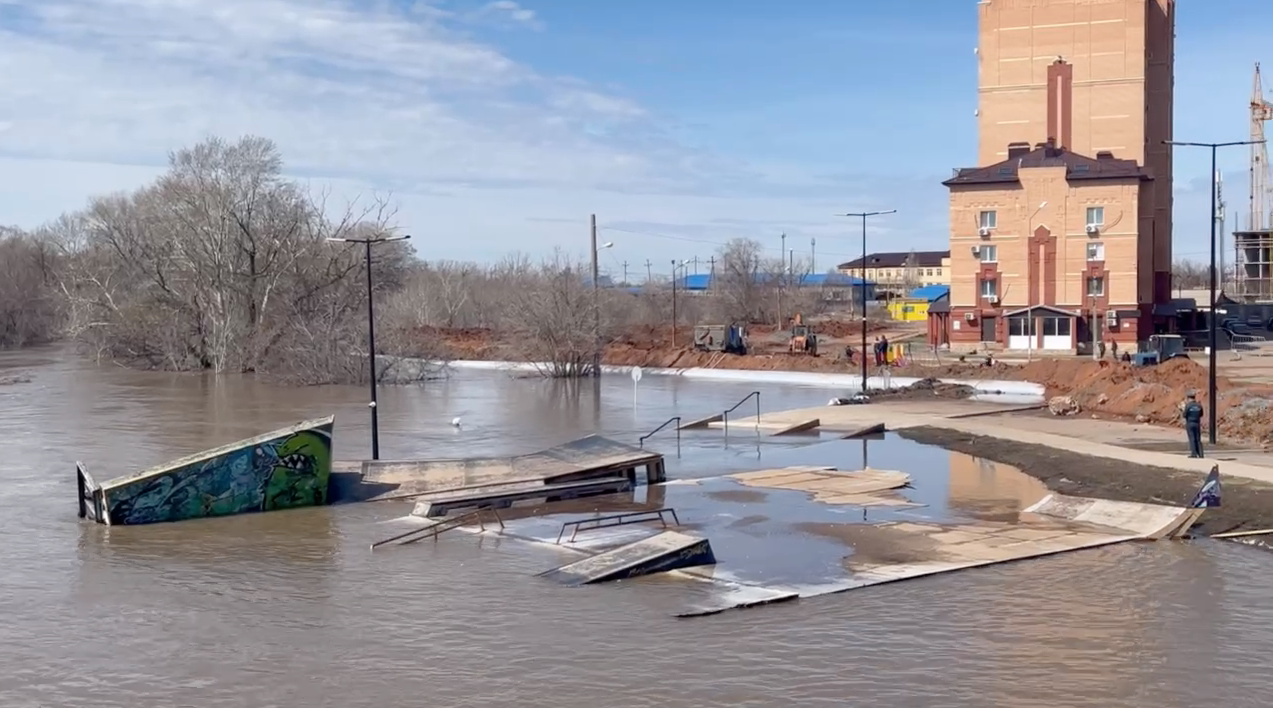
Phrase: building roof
(1077, 167)
(930, 292)
(703, 281)
(898, 259)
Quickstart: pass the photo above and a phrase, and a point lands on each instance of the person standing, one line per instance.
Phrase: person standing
(884, 351)
(1192, 414)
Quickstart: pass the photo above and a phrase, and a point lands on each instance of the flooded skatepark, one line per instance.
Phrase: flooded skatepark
(292, 609)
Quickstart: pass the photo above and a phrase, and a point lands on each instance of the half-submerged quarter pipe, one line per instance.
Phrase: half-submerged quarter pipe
(283, 469)
(660, 553)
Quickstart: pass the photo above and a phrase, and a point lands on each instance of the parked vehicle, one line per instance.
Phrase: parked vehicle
(731, 339)
(1162, 347)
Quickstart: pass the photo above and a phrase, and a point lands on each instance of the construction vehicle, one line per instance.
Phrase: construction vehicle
(731, 339)
(802, 340)
(1162, 347)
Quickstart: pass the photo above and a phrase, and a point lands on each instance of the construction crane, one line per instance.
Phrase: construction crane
(1261, 111)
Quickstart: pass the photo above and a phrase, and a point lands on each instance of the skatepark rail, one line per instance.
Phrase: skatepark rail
(674, 419)
(631, 517)
(725, 416)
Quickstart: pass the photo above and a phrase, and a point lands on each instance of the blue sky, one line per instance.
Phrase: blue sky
(499, 126)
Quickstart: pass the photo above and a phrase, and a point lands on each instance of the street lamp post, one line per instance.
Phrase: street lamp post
(863, 215)
(371, 332)
(596, 299)
(1211, 326)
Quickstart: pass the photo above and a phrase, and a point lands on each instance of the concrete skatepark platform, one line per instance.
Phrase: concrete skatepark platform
(780, 534)
(666, 551)
(590, 458)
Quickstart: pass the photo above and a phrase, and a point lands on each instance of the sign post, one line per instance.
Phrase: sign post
(636, 379)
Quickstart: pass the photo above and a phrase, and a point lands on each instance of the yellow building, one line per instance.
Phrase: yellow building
(914, 307)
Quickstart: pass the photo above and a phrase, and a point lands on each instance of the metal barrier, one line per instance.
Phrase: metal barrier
(674, 419)
(445, 525)
(631, 517)
(725, 416)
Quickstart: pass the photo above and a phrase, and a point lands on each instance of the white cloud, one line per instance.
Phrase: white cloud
(485, 154)
(511, 12)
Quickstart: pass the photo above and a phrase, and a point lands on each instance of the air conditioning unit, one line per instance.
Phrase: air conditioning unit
(969, 317)
(976, 250)
(983, 231)
(1111, 318)
(1093, 229)
(994, 301)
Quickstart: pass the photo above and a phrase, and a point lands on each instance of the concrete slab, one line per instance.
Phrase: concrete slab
(868, 487)
(440, 504)
(666, 551)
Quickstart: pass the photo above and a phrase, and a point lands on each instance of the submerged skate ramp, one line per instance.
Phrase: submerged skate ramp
(582, 459)
(666, 551)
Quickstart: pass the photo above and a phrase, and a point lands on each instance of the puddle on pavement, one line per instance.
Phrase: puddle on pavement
(769, 536)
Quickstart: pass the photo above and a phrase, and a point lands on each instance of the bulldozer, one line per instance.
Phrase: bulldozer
(802, 340)
(731, 339)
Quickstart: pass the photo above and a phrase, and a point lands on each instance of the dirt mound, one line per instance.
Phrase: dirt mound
(925, 388)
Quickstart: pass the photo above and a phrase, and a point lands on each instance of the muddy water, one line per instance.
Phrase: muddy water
(290, 609)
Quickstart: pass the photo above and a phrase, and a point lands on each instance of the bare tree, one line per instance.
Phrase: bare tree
(555, 314)
(30, 311)
(1190, 275)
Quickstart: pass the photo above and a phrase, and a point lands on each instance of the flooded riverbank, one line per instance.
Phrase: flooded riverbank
(290, 609)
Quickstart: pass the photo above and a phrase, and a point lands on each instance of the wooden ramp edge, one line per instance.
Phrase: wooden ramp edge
(865, 431)
(803, 426)
(661, 553)
(702, 422)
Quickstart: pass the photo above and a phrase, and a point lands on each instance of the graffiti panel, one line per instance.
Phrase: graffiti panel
(284, 471)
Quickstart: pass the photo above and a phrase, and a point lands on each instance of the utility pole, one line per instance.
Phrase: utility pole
(649, 274)
(813, 255)
(712, 261)
(782, 282)
(625, 274)
(674, 304)
(695, 265)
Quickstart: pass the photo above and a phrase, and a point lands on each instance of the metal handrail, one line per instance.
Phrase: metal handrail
(630, 517)
(674, 419)
(445, 525)
(725, 416)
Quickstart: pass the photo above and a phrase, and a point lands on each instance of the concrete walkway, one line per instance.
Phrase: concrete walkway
(1084, 436)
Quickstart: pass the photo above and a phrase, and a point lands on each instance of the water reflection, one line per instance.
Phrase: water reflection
(290, 609)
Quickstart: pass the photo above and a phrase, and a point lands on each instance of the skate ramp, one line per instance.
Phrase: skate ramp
(582, 459)
(663, 552)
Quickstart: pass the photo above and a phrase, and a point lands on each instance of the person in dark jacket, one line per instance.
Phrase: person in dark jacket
(1192, 415)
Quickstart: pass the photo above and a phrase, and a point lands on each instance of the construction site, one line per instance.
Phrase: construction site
(1251, 277)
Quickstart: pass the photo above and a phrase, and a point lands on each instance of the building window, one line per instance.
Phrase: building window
(989, 289)
(939, 272)
(1096, 251)
(988, 254)
(990, 220)
(1056, 326)
(1096, 216)
(1096, 287)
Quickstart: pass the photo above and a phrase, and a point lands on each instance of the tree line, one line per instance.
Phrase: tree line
(223, 264)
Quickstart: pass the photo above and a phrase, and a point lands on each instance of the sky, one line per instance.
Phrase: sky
(499, 127)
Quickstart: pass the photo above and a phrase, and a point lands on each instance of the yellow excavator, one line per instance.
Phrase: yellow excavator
(802, 340)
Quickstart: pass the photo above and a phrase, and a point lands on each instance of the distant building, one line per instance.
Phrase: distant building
(914, 307)
(835, 287)
(897, 273)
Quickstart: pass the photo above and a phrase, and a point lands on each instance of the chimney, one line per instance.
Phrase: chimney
(1061, 103)
(1016, 150)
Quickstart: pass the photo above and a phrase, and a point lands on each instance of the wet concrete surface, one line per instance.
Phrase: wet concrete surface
(290, 609)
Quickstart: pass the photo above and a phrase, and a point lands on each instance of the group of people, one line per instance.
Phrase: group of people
(883, 356)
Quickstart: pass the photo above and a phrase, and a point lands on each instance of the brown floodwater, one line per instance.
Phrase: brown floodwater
(290, 609)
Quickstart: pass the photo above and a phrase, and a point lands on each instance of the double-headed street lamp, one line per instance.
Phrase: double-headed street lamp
(1211, 334)
(863, 216)
(371, 332)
